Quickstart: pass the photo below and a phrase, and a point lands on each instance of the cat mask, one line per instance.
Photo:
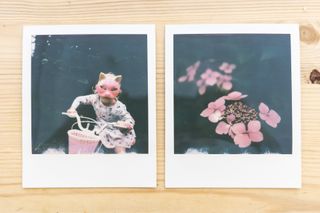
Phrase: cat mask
(109, 85)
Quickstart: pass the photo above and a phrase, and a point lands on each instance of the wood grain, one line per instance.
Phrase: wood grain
(14, 14)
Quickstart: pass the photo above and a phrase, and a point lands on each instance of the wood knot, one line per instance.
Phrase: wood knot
(309, 34)
(315, 76)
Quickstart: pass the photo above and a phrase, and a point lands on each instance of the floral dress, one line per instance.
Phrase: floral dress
(111, 136)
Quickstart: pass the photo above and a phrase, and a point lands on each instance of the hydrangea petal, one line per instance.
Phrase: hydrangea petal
(227, 77)
(235, 96)
(216, 74)
(263, 108)
(263, 116)
(200, 83)
(202, 90)
(206, 112)
(211, 81)
(223, 66)
(271, 123)
(206, 74)
(254, 126)
(227, 68)
(215, 117)
(221, 108)
(219, 102)
(222, 128)
(256, 136)
(274, 116)
(238, 128)
(182, 78)
(227, 85)
(242, 140)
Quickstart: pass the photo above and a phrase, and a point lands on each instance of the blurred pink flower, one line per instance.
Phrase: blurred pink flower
(227, 68)
(210, 77)
(214, 111)
(234, 96)
(243, 137)
(271, 117)
(191, 72)
(224, 81)
(225, 128)
(202, 86)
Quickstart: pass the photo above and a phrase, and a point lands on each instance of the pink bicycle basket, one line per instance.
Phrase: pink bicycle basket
(81, 142)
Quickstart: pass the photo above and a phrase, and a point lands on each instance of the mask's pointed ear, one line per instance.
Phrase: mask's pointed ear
(118, 78)
(102, 76)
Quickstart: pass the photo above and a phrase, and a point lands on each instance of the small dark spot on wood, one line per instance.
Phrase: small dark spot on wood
(315, 76)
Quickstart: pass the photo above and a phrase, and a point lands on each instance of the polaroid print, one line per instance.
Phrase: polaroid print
(89, 106)
(233, 106)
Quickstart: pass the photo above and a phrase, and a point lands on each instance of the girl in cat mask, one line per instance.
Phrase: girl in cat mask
(110, 110)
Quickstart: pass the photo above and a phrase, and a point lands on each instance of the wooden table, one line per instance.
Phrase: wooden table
(14, 14)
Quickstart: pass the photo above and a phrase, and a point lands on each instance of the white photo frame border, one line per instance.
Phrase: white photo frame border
(209, 170)
(47, 171)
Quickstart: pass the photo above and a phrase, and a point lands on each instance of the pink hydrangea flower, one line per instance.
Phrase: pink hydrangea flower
(214, 111)
(271, 117)
(224, 81)
(191, 72)
(210, 77)
(243, 137)
(234, 96)
(227, 68)
(225, 128)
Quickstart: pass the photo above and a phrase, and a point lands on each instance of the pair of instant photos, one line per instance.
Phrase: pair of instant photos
(232, 106)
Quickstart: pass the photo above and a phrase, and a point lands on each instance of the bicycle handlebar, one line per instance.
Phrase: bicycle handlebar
(79, 122)
(75, 115)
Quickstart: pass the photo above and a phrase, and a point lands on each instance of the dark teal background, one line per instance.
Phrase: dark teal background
(263, 72)
(67, 66)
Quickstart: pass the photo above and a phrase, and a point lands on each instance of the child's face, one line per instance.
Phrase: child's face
(108, 88)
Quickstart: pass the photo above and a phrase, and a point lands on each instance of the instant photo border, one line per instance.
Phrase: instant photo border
(233, 170)
(95, 170)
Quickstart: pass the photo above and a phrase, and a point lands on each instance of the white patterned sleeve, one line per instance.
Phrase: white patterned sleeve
(87, 99)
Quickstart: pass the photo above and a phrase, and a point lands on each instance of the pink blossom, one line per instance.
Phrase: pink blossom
(227, 68)
(225, 128)
(243, 137)
(214, 111)
(191, 72)
(271, 117)
(210, 77)
(202, 86)
(224, 81)
(234, 96)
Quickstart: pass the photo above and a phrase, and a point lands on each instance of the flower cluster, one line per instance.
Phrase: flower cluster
(238, 120)
(222, 78)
